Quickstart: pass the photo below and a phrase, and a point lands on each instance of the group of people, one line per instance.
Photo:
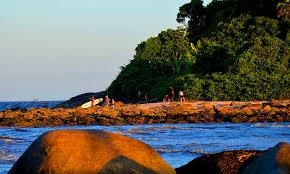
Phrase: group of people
(107, 101)
(168, 98)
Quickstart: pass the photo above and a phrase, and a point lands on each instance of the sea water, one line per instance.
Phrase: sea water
(27, 104)
(176, 143)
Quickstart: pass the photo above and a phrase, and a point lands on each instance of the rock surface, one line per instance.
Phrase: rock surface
(230, 162)
(89, 151)
(173, 112)
(275, 160)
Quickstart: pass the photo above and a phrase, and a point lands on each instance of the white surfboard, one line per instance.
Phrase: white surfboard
(89, 103)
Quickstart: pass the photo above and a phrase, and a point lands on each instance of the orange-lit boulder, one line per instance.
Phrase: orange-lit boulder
(89, 151)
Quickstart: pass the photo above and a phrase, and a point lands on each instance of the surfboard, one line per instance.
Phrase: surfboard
(89, 103)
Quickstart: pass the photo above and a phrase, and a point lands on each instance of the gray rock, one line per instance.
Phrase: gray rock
(80, 99)
(275, 160)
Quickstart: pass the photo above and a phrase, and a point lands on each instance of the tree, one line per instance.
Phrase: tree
(231, 50)
(156, 63)
(196, 15)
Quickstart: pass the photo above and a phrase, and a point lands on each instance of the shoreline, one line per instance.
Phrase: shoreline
(151, 113)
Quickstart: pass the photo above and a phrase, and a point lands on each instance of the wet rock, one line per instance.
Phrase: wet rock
(18, 108)
(280, 104)
(253, 120)
(275, 160)
(230, 162)
(255, 106)
(148, 112)
(207, 106)
(110, 113)
(267, 108)
(89, 151)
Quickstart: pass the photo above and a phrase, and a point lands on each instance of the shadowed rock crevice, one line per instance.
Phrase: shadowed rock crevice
(124, 165)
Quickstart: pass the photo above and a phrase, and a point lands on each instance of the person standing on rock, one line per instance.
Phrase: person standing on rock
(181, 96)
(113, 103)
(107, 101)
(166, 98)
(93, 101)
(172, 93)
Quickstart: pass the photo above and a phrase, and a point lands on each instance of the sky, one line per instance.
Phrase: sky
(57, 49)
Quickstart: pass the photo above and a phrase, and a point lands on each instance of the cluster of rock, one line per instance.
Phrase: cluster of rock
(173, 112)
(99, 152)
(275, 160)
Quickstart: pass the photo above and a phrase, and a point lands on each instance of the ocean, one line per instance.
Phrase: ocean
(178, 144)
(28, 104)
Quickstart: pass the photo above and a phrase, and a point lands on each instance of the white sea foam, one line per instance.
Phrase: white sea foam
(6, 157)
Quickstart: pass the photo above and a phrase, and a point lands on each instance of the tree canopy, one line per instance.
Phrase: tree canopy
(230, 50)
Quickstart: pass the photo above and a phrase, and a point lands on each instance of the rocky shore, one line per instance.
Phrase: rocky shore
(149, 113)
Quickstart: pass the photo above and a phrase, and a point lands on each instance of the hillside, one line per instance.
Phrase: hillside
(229, 50)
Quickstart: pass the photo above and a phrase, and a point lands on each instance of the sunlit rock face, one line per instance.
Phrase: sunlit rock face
(89, 151)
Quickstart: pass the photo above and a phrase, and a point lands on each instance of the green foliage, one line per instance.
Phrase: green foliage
(213, 57)
(252, 86)
(195, 12)
(192, 86)
(231, 50)
(237, 87)
(156, 63)
(267, 54)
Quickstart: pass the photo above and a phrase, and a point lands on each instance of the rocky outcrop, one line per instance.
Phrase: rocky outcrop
(230, 162)
(80, 99)
(275, 160)
(174, 112)
(89, 152)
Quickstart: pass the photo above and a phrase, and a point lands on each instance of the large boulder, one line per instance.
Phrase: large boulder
(275, 160)
(89, 151)
(229, 162)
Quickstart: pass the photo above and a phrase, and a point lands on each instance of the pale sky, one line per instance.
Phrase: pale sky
(57, 49)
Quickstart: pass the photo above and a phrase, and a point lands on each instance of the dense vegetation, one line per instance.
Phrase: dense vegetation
(229, 50)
